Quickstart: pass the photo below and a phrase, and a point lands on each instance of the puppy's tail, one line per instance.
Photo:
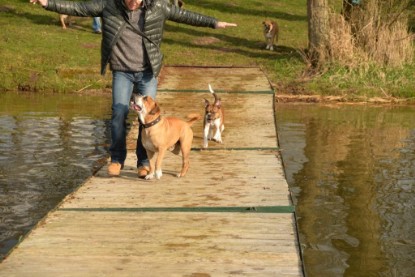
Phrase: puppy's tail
(214, 94)
(192, 118)
(211, 89)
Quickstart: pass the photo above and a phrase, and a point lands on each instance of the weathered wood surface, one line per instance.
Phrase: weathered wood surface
(157, 244)
(225, 79)
(215, 179)
(249, 118)
(103, 229)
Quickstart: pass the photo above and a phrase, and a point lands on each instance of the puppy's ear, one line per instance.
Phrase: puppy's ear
(206, 102)
(218, 103)
(155, 109)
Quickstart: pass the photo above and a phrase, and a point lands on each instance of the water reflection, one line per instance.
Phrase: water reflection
(352, 173)
(48, 146)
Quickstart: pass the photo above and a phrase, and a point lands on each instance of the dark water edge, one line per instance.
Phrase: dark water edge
(351, 170)
(49, 145)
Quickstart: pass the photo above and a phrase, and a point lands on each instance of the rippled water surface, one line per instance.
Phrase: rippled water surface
(49, 144)
(351, 170)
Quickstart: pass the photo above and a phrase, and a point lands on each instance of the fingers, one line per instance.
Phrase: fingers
(41, 2)
(225, 24)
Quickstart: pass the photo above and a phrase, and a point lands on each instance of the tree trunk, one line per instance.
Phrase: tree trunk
(318, 30)
(347, 9)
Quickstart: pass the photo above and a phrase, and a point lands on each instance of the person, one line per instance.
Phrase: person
(96, 25)
(132, 33)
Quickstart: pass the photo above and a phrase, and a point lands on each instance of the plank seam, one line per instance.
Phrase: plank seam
(235, 148)
(219, 91)
(258, 209)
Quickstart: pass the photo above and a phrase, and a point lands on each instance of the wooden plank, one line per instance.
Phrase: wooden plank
(249, 118)
(157, 244)
(221, 78)
(215, 178)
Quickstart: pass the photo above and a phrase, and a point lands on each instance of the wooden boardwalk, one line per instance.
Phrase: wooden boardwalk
(231, 214)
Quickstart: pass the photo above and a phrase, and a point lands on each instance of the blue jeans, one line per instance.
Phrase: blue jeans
(122, 87)
(96, 24)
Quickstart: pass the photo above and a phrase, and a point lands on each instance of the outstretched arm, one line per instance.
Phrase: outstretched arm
(76, 8)
(42, 2)
(221, 24)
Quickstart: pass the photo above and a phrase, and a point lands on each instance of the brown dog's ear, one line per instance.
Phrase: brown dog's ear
(155, 110)
(206, 103)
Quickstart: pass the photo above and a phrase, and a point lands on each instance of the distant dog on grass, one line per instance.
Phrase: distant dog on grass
(65, 20)
(179, 3)
(214, 120)
(271, 31)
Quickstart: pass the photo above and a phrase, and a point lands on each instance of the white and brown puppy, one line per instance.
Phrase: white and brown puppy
(214, 120)
(161, 134)
(271, 31)
(65, 20)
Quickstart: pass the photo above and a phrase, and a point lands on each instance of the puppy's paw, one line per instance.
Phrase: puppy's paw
(218, 138)
(149, 176)
(158, 174)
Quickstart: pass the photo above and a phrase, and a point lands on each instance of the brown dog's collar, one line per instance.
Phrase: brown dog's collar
(152, 123)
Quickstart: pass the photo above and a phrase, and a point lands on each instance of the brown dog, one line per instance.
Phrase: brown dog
(161, 134)
(271, 31)
(65, 19)
(214, 119)
(178, 3)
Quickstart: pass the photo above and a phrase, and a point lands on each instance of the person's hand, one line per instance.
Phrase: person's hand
(221, 24)
(42, 2)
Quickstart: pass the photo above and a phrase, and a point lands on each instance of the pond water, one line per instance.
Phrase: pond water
(49, 145)
(351, 170)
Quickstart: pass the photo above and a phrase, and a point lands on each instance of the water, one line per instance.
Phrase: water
(49, 145)
(351, 170)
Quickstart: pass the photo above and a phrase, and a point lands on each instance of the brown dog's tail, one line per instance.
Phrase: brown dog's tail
(193, 118)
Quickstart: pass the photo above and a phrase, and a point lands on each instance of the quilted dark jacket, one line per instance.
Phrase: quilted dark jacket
(114, 16)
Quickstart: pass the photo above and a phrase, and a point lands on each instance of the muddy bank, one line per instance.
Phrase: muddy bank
(289, 98)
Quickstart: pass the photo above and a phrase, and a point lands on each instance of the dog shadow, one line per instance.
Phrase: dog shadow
(130, 173)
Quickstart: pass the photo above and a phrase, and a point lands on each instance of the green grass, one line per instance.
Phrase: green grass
(38, 55)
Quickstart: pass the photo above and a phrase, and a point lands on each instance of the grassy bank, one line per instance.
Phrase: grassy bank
(38, 55)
